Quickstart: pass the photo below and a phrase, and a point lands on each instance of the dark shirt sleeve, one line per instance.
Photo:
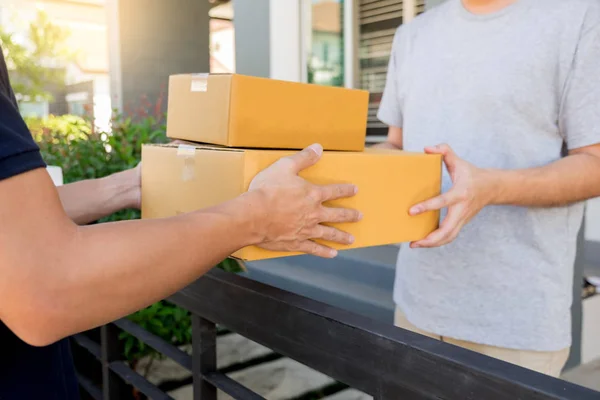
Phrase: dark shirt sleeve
(18, 151)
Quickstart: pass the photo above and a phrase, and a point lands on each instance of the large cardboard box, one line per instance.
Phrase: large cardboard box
(177, 180)
(243, 111)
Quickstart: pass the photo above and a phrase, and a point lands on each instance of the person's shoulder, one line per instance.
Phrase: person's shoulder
(424, 21)
(592, 10)
(572, 9)
(586, 5)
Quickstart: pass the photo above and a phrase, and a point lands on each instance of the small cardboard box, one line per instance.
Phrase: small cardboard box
(243, 111)
(177, 180)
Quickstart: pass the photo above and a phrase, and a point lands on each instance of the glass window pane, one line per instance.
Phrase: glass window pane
(326, 55)
(34, 109)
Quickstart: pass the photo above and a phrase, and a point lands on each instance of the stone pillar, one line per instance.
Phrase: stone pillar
(152, 39)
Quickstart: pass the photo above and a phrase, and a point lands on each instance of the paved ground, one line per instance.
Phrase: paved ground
(587, 375)
(275, 379)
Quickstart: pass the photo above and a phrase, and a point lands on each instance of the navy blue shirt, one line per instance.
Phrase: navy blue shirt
(27, 372)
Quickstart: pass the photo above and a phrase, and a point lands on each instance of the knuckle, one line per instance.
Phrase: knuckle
(349, 215)
(315, 193)
(447, 236)
(347, 238)
(314, 248)
(327, 215)
(319, 232)
(342, 215)
(286, 162)
(320, 216)
(462, 196)
(444, 200)
(335, 235)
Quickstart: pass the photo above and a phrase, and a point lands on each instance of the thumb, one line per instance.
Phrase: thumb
(306, 158)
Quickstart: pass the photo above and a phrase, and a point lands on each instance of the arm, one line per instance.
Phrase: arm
(391, 108)
(394, 139)
(572, 179)
(57, 278)
(90, 200)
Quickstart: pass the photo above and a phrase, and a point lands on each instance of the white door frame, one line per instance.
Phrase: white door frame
(285, 40)
(290, 24)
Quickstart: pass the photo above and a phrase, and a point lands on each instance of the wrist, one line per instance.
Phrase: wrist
(254, 215)
(125, 188)
(494, 186)
(247, 213)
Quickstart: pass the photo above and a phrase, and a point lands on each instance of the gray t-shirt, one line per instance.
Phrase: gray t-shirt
(508, 90)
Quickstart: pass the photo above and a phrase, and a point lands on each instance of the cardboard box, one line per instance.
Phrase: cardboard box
(177, 180)
(243, 111)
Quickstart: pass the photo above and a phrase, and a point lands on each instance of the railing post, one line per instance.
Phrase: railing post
(204, 357)
(113, 388)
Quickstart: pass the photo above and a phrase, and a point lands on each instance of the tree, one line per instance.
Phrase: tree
(38, 61)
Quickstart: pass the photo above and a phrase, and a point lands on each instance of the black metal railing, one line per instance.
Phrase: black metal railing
(376, 358)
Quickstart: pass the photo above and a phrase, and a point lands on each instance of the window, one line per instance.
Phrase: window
(77, 108)
(325, 42)
(38, 109)
(378, 21)
(78, 103)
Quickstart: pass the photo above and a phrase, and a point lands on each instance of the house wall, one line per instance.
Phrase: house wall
(151, 40)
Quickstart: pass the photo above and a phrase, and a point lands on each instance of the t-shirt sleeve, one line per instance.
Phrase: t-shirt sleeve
(18, 151)
(390, 108)
(580, 109)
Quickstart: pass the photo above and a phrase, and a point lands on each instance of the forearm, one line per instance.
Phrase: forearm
(91, 200)
(572, 179)
(394, 139)
(387, 145)
(94, 275)
(57, 278)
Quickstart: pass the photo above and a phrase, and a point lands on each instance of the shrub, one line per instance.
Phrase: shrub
(71, 143)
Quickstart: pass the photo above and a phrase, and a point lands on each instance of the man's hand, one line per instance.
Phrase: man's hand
(89, 200)
(471, 192)
(294, 207)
